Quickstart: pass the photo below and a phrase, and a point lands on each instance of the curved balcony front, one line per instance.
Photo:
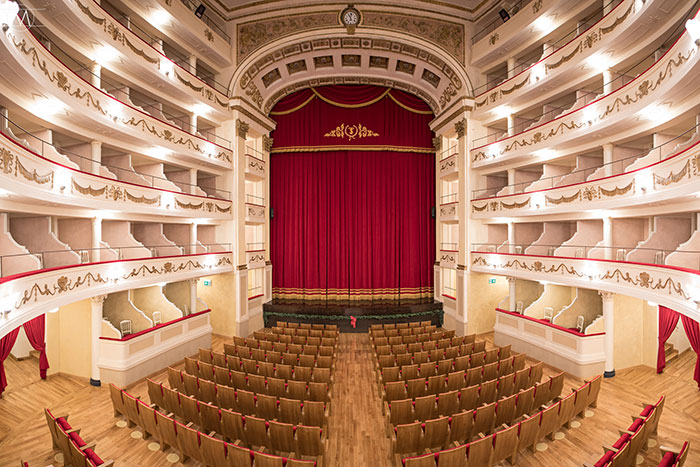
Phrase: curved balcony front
(663, 92)
(91, 30)
(37, 80)
(28, 295)
(176, 20)
(675, 287)
(631, 27)
(533, 22)
(31, 178)
(674, 179)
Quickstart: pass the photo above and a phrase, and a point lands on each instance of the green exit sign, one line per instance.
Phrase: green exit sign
(207, 282)
(492, 280)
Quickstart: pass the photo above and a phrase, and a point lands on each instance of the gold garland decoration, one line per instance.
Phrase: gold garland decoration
(142, 199)
(673, 178)
(563, 199)
(88, 190)
(516, 205)
(617, 191)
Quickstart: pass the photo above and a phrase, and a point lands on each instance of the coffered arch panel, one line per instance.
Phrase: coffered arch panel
(369, 57)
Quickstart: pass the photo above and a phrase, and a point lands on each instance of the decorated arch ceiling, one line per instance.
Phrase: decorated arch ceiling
(364, 58)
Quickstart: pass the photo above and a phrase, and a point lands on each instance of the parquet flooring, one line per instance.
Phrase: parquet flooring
(356, 431)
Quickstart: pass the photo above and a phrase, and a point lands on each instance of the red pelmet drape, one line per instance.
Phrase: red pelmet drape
(352, 186)
(692, 330)
(667, 323)
(36, 336)
(6, 344)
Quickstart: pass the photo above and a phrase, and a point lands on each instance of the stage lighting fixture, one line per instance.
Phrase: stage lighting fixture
(199, 12)
(504, 15)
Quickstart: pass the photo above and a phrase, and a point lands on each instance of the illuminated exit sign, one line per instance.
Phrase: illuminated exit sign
(207, 282)
(492, 280)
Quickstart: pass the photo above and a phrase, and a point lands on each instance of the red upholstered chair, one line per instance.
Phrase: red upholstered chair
(672, 458)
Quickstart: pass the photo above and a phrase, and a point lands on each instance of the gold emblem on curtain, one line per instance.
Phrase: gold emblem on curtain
(351, 132)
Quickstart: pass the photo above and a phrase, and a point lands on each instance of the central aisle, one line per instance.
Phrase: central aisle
(356, 424)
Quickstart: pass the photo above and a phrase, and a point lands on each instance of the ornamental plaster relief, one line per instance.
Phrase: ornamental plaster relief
(98, 112)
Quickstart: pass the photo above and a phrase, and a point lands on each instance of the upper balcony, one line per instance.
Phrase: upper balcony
(177, 21)
(255, 210)
(38, 81)
(36, 171)
(665, 174)
(94, 33)
(534, 21)
(672, 286)
(448, 168)
(28, 295)
(626, 30)
(658, 95)
(255, 167)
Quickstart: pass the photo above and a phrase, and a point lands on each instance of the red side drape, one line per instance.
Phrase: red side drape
(667, 323)
(692, 330)
(6, 344)
(35, 333)
(352, 188)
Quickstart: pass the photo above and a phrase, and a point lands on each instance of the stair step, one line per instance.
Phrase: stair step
(671, 355)
(668, 347)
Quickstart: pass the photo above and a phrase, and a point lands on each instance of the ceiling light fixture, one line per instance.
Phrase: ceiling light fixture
(8, 13)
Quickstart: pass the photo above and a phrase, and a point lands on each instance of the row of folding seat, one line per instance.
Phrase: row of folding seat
(427, 346)
(440, 354)
(445, 365)
(193, 444)
(282, 347)
(411, 324)
(274, 356)
(269, 338)
(254, 432)
(289, 324)
(264, 406)
(437, 384)
(427, 407)
(419, 339)
(490, 450)
(295, 332)
(454, 377)
(624, 451)
(411, 338)
(300, 390)
(263, 369)
(407, 338)
(65, 438)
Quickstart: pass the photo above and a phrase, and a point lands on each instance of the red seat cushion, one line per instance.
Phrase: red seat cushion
(605, 460)
(635, 426)
(92, 457)
(647, 410)
(668, 460)
(63, 423)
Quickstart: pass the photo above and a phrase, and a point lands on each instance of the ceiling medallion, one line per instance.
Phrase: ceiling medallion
(350, 17)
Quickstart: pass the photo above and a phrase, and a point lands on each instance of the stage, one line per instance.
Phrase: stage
(340, 313)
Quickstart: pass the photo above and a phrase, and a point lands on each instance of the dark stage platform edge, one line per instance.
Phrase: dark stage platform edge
(340, 314)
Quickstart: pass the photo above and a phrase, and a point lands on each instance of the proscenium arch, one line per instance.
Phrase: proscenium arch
(371, 56)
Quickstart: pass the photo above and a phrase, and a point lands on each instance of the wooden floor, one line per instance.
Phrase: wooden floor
(356, 430)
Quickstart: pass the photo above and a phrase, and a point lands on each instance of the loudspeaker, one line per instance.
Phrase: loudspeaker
(199, 12)
(272, 213)
(432, 212)
(504, 15)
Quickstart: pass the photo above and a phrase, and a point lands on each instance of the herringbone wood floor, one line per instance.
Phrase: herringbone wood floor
(356, 429)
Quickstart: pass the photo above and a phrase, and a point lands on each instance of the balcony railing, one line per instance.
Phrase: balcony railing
(526, 62)
(48, 150)
(82, 70)
(110, 254)
(623, 77)
(656, 154)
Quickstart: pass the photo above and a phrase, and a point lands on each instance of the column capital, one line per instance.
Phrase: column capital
(242, 128)
(437, 143)
(98, 299)
(267, 143)
(461, 128)
(607, 296)
(511, 279)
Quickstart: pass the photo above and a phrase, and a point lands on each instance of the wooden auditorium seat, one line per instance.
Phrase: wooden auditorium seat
(65, 438)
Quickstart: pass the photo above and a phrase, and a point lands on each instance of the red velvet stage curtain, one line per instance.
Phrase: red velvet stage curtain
(352, 186)
(667, 323)
(6, 344)
(35, 333)
(692, 330)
